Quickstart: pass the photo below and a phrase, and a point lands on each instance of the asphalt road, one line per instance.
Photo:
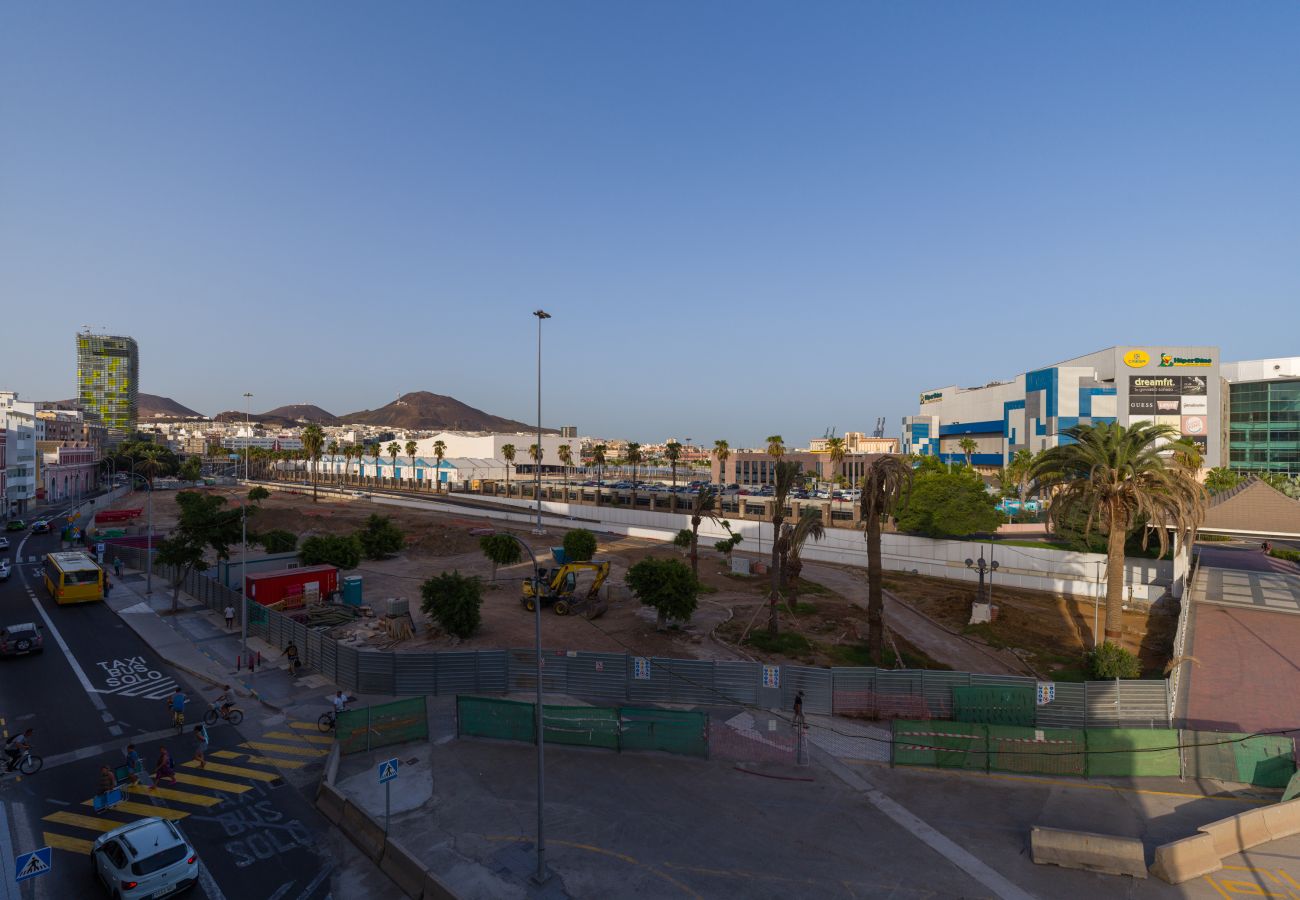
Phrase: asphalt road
(98, 686)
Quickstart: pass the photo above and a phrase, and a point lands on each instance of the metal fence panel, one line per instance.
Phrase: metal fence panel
(348, 676)
(415, 673)
(1003, 681)
(1127, 704)
(493, 671)
(598, 675)
(688, 681)
(328, 664)
(1068, 709)
(669, 730)
(736, 681)
(457, 672)
(854, 691)
(523, 672)
(937, 690)
(374, 672)
(815, 684)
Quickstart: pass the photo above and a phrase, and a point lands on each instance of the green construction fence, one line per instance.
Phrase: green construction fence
(1263, 760)
(358, 730)
(612, 728)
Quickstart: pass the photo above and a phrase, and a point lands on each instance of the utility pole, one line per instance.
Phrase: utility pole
(537, 463)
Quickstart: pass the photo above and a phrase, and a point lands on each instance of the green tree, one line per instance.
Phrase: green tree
(376, 451)
(673, 453)
(410, 449)
(1109, 661)
(204, 525)
(508, 453)
(809, 527)
(598, 460)
(683, 539)
(191, 469)
(394, 450)
(343, 551)
(333, 451)
(666, 585)
(775, 446)
(703, 506)
(1221, 479)
(379, 537)
(257, 493)
(722, 452)
(439, 452)
(501, 549)
(968, 447)
(886, 479)
(835, 450)
(277, 540)
(1115, 475)
(786, 475)
(729, 543)
(941, 503)
(313, 440)
(453, 601)
(632, 456)
(566, 460)
(152, 462)
(579, 545)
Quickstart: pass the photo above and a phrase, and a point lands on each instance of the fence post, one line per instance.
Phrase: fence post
(367, 726)
(988, 751)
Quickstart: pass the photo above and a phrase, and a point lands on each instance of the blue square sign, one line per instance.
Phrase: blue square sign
(388, 770)
(29, 865)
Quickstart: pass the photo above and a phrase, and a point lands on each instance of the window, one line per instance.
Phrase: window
(113, 852)
(159, 861)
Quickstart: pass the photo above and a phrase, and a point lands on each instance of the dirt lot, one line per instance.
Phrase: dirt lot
(824, 628)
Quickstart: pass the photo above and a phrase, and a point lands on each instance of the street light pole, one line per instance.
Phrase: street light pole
(243, 581)
(248, 425)
(537, 463)
(541, 875)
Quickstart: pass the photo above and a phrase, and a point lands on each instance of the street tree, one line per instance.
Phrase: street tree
(886, 478)
(785, 476)
(703, 506)
(313, 440)
(204, 525)
(454, 601)
(508, 453)
(666, 585)
(501, 549)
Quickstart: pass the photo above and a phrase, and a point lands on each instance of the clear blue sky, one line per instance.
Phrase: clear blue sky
(745, 217)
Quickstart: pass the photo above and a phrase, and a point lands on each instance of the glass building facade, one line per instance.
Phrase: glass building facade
(108, 382)
(1264, 426)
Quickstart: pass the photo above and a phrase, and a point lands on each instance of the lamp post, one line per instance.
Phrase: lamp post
(248, 425)
(537, 463)
(148, 560)
(983, 567)
(541, 875)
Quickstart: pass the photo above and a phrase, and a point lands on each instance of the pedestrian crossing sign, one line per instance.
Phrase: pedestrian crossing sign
(387, 770)
(29, 865)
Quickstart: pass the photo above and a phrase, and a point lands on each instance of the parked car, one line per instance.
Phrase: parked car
(5, 570)
(4, 543)
(41, 526)
(147, 858)
(17, 640)
(15, 525)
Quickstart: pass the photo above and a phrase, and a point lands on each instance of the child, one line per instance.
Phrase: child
(201, 738)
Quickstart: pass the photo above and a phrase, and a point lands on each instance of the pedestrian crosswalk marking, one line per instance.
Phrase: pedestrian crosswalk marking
(255, 774)
(284, 748)
(144, 809)
(304, 726)
(313, 738)
(71, 844)
(93, 823)
(261, 760)
(229, 787)
(176, 796)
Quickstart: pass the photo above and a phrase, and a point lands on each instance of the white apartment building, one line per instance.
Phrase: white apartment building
(23, 429)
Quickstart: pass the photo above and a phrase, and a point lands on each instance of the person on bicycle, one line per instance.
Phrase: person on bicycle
(225, 701)
(16, 746)
(177, 705)
(291, 652)
(340, 702)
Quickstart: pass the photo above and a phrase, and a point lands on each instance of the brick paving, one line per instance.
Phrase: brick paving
(1246, 669)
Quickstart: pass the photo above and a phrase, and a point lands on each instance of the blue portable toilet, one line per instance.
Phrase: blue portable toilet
(352, 590)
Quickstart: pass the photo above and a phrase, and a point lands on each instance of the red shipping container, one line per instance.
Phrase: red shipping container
(272, 587)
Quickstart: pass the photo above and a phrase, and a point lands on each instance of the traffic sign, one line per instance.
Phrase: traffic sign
(29, 865)
(388, 770)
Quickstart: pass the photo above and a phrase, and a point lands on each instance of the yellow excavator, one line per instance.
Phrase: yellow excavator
(559, 587)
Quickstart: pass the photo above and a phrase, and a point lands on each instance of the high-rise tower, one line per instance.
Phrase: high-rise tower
(108, 382)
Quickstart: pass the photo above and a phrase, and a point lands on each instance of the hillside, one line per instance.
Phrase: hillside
(282, 416)
(424, 411)
(150, 406)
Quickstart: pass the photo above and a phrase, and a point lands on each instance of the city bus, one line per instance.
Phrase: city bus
(73, 577)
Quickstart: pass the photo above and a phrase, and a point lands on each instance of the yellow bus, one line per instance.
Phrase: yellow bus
(73, 577)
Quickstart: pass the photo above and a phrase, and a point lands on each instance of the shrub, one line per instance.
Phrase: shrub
(379, 537)
(1283, 553)
(277, 540)
(502, 549)
(453, 600)
(1110, 660)
(666, 585)
(331, 549)
(257, 492)
(579, 545)
(683, 539)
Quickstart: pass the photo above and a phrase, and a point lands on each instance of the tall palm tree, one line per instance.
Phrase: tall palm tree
(673, 453)
(882, 487)
(1117, 479)
(376, 451)
(566, 459)
(508, 452)
(598, 460)
(835, 449)
(810, 525)
(393, 450)
(313, 441)
(722, 451)
(703, 506)
(632, 456)
(410, 449)
(787, 473)
(775, 446)
(439, 451)
(150, 462)
(333, 451)
(968, 447)
(349, 452)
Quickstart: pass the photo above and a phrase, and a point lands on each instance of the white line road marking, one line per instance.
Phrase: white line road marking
(8, 890)
(209, 885)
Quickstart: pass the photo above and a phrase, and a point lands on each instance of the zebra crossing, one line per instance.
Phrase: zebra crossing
(228, 774)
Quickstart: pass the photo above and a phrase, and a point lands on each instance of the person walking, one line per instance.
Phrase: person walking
(201, 748)
(291, 652)
(799, 721)
(107, 784)
(108, 586)
(165, 770)
(117, 566)
(134, 765)
(230, 617)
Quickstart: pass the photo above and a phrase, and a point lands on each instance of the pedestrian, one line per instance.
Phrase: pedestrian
(117, 566)
(798, 709)
(201, 741)
(134, 765)
(107, 782)
(230, 617)
(164, 770)
(291, 652)
(108, 585)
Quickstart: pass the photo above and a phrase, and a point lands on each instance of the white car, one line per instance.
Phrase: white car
(4, 543)
(5, 570)
(146, 859)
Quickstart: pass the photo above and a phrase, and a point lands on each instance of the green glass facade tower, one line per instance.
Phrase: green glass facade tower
(108, 382)
(1264, 426)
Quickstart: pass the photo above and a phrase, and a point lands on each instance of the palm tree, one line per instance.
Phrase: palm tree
(349, 451)
(722, 452)
(151, 464)
(598, 460)
(775, 446)
(786, 475)
(703, 506)
(673, 453)
(508, 454)
(632, 456)
(375, 451)
(835, 449)
(333, 451)
(393, 450)
(968, 447)
(882, 488)
(410, 449)
(1116, 478)
(439, 451)
(810, 525)
(313, 440)
(566, 459)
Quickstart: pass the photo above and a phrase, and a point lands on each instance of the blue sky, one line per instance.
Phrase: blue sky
(745, 217)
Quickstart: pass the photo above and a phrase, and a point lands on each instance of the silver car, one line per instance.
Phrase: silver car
(148, 858)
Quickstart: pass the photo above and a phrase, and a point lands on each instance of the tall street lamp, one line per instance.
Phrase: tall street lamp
(248, 426)
(541, 875)
(537, 463)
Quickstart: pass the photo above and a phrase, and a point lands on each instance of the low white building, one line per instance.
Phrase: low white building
(23, 429)
(489, 446)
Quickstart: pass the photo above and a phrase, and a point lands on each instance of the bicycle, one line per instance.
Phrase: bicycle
(327, 721)
(28, 763)
(178, 720)
(234, 715)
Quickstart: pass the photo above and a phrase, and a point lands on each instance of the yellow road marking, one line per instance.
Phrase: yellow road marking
(176, 796)
(92, 823)
(284, 748)
(229, 787)
(304, 726)
(263, 760)
(144, 809)
(314, 738)
(255, 774)
(225, 754)
(71, 844)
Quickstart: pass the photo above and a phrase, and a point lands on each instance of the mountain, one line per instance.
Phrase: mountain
(423, 411)
(283, 416)
(150, 406)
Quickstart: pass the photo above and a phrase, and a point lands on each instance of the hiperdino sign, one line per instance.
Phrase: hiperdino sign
(1168, 361)
(931, 396)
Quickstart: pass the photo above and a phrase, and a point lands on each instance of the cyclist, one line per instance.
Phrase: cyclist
(225, 701)
(16, 746)
(340, 703)
(177, 705)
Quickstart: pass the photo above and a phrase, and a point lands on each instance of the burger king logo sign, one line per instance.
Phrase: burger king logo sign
(1136, 359)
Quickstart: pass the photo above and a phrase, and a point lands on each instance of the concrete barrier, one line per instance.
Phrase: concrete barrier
(434, 889)
(405, 870)
(1283, 819)
(1085, 850)
(330, 802)
(1185, 859)
(364, 831)
(1237, 833)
